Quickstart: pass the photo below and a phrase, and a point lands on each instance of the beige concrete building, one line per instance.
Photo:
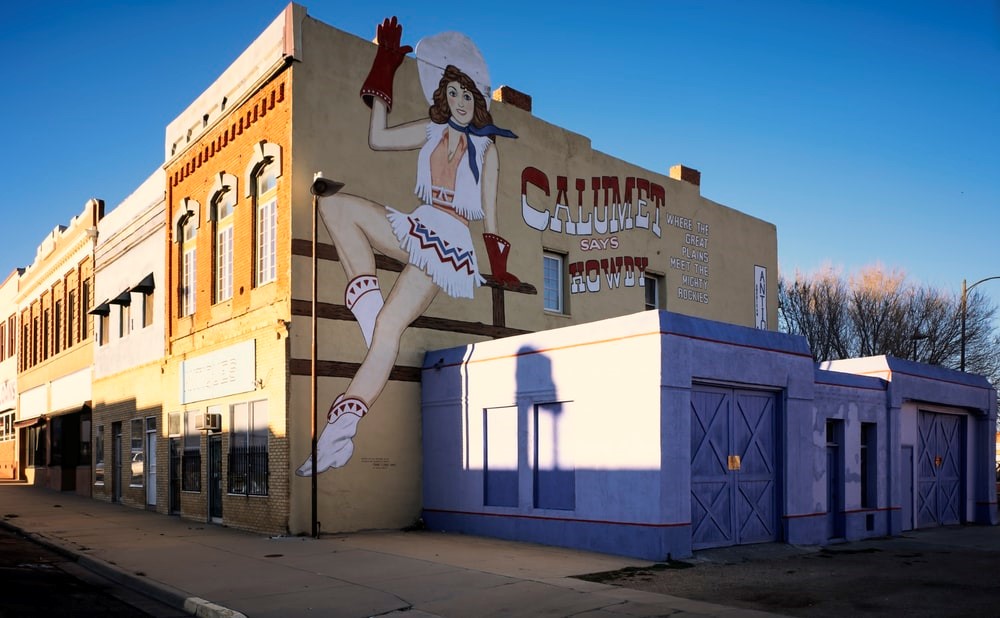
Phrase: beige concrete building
(8, 376)
(129, 265)
(515, 225)
(55, 359)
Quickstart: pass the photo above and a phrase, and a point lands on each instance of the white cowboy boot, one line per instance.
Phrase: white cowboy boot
(335, 445)
(364, 298)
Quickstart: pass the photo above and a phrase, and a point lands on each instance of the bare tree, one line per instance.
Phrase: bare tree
(816, 306)
(876, 311)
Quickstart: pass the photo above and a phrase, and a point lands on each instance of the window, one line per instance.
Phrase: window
(189, 264)
(56, 440)
(87, 302)
(174, 425)
(147, 309)
(267, 223)
(191, 461)
(35, 341)
(223, 206)
(57, 328)
(552, 274)
(105, 326)
(500, 456)
(868, 465)
(652, 285)
(7, 432)
(85, 437)
(71, 319)
(145, 289)
(36, 445)
(46, 321)
(124, 320)
(554, 464)
(11, 336)
(248, 454)
(3, 342)
(136, 440)
(25, 338)
(99, 456)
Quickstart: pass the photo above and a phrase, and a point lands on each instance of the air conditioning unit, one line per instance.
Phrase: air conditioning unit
(211, 421)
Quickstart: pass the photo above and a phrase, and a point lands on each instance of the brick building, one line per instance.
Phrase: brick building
(55, 357)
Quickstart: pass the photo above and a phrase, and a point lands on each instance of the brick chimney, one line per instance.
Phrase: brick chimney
(506, 94)
(685, 173)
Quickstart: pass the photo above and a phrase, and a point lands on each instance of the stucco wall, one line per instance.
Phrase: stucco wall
(705, 249)
(131, 245)
(626, 388)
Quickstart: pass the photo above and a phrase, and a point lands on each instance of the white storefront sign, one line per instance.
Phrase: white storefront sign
(228, 371)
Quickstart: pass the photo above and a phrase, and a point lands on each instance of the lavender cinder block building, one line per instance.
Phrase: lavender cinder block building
(656, 434)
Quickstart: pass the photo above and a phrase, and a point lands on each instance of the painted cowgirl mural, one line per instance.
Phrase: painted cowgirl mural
(457, 169)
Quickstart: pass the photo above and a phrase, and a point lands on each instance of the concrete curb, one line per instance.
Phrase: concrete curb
(153, 589)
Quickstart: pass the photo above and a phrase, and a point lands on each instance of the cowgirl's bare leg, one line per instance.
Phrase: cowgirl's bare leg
(359, 227)
(413, 292)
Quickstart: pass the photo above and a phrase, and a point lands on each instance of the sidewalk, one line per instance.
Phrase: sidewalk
(215, 571)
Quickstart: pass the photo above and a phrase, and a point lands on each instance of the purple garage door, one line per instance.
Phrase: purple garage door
(733, 467)
(940, 468)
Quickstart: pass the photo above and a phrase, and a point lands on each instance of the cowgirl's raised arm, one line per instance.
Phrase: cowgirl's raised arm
(376, 92)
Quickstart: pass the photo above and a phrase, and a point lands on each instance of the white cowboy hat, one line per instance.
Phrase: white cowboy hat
(436, 52)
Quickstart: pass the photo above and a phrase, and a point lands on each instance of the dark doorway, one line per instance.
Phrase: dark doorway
(174, 482)
(215, 478)
(116, 462)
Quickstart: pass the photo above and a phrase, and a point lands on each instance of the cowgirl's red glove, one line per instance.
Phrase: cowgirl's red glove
(388, 57)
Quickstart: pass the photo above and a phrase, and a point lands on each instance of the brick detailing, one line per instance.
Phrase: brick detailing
(510, 96)
(685, 173)
(257, 110)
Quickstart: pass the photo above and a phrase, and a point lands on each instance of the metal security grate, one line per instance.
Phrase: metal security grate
(248, 470)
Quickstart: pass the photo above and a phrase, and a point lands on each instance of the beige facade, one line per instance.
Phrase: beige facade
(129, 265)
(224, 403)
(610, 226)
(55, 361)
(9, 468)
(289, 108)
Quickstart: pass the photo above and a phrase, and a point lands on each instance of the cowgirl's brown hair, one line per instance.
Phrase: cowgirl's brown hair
(439, 110)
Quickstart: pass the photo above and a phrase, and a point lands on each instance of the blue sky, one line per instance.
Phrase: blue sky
(866, 131)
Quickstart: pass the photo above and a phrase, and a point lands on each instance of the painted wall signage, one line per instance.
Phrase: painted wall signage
(457, 171)
(224, 372)
(8, 394)
(760, 297)
(599, 208)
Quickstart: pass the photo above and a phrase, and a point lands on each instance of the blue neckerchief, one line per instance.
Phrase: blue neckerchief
(483, 131)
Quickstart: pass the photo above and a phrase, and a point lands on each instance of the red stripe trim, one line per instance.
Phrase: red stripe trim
(548, 518)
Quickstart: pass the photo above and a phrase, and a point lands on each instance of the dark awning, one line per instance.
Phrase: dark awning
(84, 408)
(125, 298)
(102, 309)
(31, 422)
(145, 286)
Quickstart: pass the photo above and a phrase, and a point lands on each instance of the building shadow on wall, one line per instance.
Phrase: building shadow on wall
(527, 447)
